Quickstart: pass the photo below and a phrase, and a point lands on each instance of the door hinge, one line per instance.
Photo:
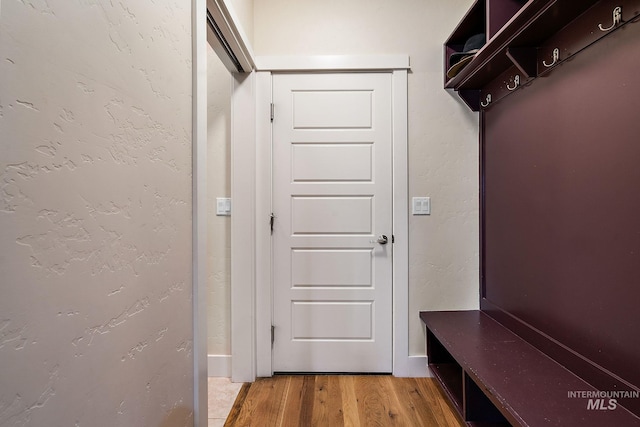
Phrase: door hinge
(272, 111)
(273, 335)
(272, 219)
(393, 238)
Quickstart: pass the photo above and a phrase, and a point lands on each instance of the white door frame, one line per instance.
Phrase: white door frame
(199, 209)
(251, 293)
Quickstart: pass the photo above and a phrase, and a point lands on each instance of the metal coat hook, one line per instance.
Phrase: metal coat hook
(485, 105)
(555, 57)
(516, 81)
(617, 17)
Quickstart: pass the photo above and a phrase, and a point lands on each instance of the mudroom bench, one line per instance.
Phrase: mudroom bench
(555, 86)
(494, 377)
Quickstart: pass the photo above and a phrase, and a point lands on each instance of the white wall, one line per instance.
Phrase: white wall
(443, 133)
(219, 85)
(243, 10)
(95, 213)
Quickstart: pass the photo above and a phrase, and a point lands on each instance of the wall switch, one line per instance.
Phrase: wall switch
(421, 205)
(223, 206)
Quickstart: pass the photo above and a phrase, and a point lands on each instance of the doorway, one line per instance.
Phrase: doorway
(260, 152)
(332, 235)
(219, 88)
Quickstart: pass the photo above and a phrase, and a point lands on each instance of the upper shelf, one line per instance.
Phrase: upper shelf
(484, 17)
(517, 30)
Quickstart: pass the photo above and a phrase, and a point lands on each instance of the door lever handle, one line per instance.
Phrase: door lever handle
(382, 239)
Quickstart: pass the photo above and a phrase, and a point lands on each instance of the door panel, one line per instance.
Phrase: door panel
(327, 109)
(332, 162)
(332, 198)
(351, 320)
(331, 215)
(332, 267)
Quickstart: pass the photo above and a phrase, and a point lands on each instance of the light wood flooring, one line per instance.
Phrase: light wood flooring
(342, 400)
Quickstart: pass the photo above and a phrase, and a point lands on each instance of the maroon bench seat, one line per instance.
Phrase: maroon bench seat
(494, 377)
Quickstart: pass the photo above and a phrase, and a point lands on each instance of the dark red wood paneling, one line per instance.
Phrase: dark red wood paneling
(499, 12)
(561, 210)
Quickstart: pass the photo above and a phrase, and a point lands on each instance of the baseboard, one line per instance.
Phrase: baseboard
(219, 365)
(413, 367)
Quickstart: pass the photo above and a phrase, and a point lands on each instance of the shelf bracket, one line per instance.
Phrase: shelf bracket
(525, 58)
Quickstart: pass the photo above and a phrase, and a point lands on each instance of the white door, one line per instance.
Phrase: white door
(332, 198)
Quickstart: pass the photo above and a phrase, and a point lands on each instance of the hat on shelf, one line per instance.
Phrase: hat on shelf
(458, 60)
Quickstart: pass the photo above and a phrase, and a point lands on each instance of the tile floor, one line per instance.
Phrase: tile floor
(222, 394)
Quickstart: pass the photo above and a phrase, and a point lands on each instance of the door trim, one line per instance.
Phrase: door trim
(251, 294)
(332, 63)
(199, 209)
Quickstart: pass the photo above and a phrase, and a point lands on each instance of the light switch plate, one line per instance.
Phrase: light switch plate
(421, 205)
(223, 206)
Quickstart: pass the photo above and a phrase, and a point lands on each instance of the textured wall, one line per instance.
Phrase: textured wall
(218, 185)
(95, 213)
(443, 133)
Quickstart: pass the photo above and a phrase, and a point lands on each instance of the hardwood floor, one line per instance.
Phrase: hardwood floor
(342, 400)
